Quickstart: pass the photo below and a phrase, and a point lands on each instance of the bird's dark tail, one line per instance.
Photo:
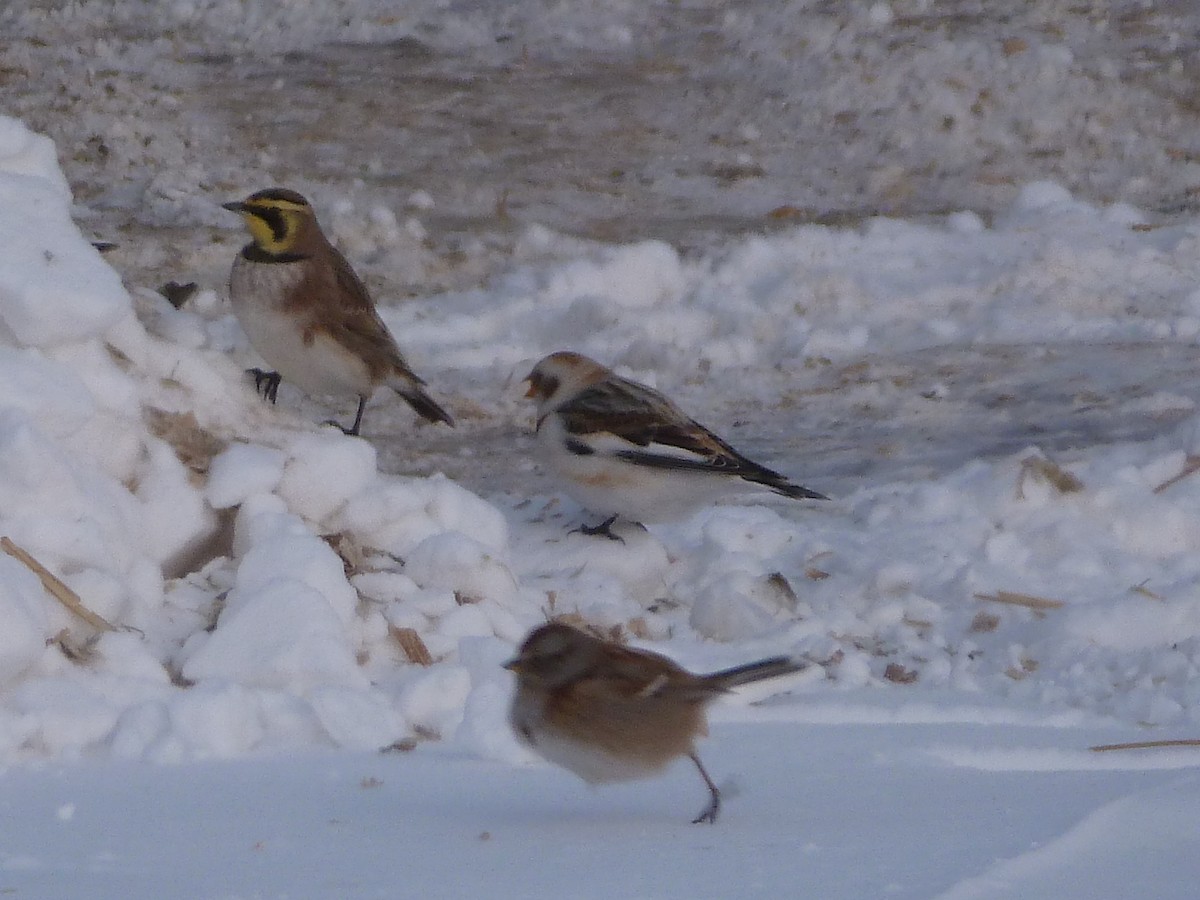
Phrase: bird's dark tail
(796, 491)
(424, 405)
(760, 474)
(772, 667)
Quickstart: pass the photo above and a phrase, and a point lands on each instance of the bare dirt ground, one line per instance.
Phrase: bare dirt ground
(679, 140)
(698, 127)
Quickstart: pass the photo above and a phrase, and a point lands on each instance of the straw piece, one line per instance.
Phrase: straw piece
(412, 645)
(1191, 466)
(1147, 745)
(1030, 601)
(55, 587)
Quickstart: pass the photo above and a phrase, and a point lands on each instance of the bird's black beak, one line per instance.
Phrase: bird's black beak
(514, 664)
(236, 206)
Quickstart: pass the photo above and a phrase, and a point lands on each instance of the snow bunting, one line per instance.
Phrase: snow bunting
(613, 713)
(308, 315)
(623, 449)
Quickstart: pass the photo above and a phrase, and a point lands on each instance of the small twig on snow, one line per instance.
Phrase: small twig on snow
(55, 587)
(1147, 745)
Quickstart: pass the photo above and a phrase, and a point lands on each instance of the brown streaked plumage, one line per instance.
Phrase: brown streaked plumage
(613, 713)
(624, 449)
(309, 315)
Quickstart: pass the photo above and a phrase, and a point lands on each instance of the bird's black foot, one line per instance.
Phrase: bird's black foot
(709, 813)
(266, 384)
(350, 432)
(604, 529)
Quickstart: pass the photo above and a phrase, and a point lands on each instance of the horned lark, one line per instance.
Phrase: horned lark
(623, 449)
(308, 315)
(613, 713)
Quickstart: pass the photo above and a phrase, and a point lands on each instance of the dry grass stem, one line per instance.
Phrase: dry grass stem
(1029, 601)
(1145, 591)
(413, 646)
(1147, 745)
(1191, 466)
(55, 587)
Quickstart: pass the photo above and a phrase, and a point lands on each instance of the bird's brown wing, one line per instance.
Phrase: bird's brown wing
(659, 431)
(639, 415)
(353, 321)
(643, 675)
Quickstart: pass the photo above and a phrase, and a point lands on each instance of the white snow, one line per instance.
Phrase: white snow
(997, 397)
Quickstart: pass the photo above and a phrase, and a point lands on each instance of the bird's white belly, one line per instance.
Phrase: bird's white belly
(321, 366)
(591, 764)
(610, 486)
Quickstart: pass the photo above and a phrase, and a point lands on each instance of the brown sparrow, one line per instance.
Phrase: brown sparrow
(621, 448)
(613, 713)
(307, 313)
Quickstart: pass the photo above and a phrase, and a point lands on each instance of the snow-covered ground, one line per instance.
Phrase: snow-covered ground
(996, 384)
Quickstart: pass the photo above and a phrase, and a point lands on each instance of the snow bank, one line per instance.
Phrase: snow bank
(130, 468)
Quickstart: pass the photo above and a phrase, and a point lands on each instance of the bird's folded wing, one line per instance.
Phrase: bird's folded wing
(636, 424)
(631, 421)
(355, 323)
(627, 676)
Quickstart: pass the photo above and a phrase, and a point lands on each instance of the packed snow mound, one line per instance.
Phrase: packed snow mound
(128, 470)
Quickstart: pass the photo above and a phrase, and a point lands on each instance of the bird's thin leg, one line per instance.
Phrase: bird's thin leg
(353, 429)
(362, 404)
(604, 529)
(709, 813)
(266, 383)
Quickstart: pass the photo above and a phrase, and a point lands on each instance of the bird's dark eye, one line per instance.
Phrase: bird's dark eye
(549, 654)
(544, 385)
(548, 664)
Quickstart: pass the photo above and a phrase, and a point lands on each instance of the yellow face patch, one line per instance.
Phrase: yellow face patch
(274, 223)
(260, 231)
